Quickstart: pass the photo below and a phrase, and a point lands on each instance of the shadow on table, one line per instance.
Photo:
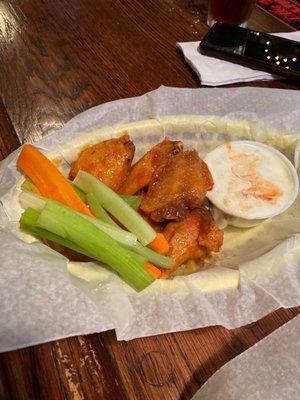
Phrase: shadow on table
(228, 351)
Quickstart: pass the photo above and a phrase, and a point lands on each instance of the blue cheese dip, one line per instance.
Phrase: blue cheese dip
(252, 181)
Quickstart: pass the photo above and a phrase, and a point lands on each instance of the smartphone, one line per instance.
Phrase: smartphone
(253, 49)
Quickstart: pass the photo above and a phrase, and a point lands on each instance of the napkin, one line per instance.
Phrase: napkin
(268, 370)
(215, 72)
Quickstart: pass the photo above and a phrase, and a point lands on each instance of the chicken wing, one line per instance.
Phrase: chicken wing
(110, 161)
(141, 173)
(177, 187)
(193, 237)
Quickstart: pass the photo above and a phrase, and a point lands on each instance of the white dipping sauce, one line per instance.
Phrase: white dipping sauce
(251, 180)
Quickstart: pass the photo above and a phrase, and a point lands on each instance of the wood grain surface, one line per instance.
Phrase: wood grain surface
(59, 58)
(8, 138)
(165, 367)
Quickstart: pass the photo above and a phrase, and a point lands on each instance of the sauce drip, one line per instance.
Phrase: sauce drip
(245, 168)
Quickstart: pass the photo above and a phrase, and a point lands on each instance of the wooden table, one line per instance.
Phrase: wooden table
(59, 58)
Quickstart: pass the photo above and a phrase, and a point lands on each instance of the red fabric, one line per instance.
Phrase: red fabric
(286, 10)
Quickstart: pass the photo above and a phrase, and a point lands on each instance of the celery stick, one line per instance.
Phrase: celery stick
(80, 193)
(29, 218)
(133, 201)
(117, 233)
(155, 258)
(28, 199)
(28, 222)
(64, 222)
(152, 256)
(114, 204)
(29, 186)
(98, 210)
(32, 200)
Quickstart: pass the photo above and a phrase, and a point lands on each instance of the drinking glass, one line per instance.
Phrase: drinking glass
(235, 12)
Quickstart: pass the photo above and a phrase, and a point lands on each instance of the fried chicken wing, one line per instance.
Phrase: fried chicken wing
(193, 237)
(110, 161)
(141, 173)
(177, 187)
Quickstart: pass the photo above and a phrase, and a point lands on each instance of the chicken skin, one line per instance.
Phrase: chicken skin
(177, 187)
(110, 161)
(193, 237)
(141, 173)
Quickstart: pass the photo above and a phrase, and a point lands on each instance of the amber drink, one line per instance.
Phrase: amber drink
(235, 12)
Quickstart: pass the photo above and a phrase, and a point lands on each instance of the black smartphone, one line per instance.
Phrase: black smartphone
(253, 49)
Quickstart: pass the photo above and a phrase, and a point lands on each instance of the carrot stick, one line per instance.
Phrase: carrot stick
(153, 271)
(160, 244)
(49, 181)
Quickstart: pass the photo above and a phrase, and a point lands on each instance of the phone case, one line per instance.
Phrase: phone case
(206, 49)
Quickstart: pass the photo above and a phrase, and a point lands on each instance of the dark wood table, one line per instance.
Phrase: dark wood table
(59, 58)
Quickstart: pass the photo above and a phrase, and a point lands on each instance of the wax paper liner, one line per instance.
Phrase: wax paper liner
(272, 367)
(256, 272)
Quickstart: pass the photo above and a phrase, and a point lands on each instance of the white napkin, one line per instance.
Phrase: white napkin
(268, 370)
(215, 72)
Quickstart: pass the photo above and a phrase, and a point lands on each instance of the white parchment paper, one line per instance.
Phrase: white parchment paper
(268, 370)
(256, 272)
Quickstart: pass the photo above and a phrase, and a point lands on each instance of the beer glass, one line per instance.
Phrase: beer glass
(235, 12)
